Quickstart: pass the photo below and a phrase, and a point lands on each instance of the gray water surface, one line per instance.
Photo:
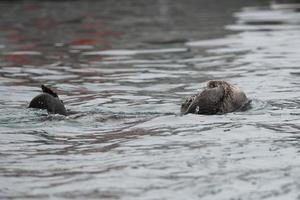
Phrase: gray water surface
(124, 67)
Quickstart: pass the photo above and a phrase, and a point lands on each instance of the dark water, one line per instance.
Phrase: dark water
(124, 67)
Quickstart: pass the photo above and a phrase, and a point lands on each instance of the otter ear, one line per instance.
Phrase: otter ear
(49, 91)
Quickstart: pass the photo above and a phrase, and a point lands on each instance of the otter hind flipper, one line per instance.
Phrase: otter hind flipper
(38, 102)
(48, 91)
(48, 100)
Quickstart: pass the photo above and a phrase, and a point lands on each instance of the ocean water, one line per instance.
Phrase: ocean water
(123, 68)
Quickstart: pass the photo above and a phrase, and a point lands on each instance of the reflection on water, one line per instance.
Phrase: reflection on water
(124, 72)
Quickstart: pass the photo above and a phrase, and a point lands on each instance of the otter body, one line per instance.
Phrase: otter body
(218, 97)
(48, 100)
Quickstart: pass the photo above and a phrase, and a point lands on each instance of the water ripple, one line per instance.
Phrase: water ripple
(122, 72)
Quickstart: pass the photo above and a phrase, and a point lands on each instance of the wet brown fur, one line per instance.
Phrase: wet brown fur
(218, 97)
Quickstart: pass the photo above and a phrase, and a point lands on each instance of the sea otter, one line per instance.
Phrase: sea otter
(48, 100)
(218, 97)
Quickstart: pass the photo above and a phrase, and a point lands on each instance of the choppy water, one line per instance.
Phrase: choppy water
(124, 68)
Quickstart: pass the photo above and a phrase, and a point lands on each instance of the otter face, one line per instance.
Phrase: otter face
(218, 97)
(185, 105)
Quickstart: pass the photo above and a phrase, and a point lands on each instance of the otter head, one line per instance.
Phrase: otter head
(48, 100)
(218, 97)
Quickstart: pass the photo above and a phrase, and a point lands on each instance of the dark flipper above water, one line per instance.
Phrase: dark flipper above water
(218, 97)
(48, 100)
(49, 91)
